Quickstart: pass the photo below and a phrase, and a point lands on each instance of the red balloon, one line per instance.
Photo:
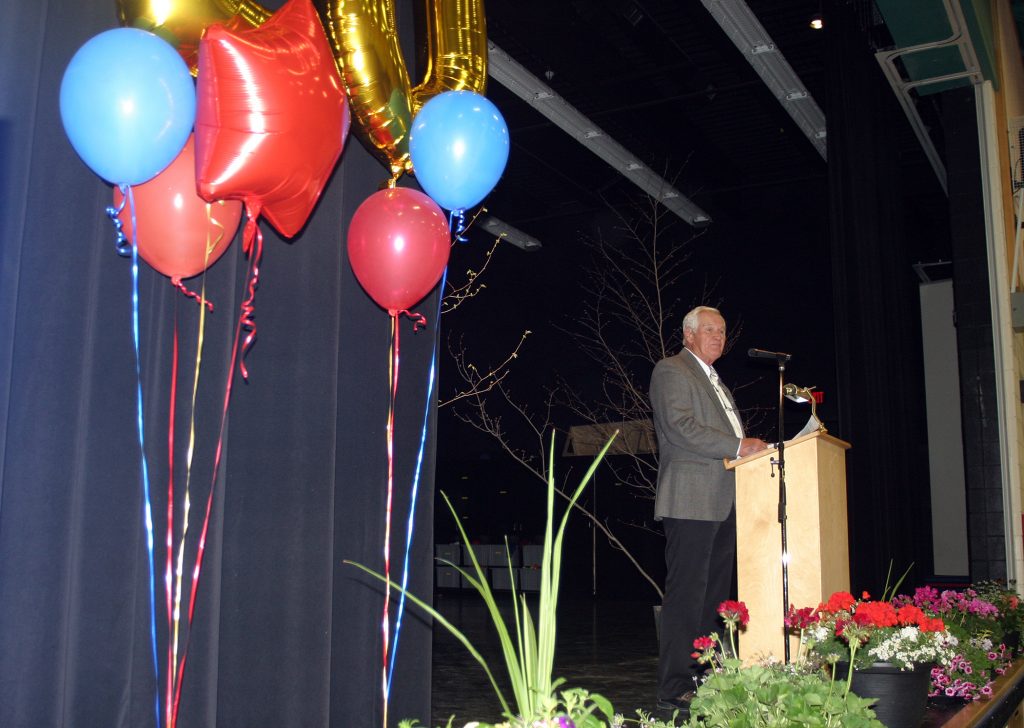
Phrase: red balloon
(398, 244)
(271, 116)
(179, 233)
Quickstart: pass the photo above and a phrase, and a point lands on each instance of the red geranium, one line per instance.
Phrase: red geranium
(704, 643)
(734, 612)
(839, 602)
(875, 614)
(703, 646)
(801, 618)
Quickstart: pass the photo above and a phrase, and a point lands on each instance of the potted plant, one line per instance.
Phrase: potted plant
(1011, 610)
(977, 627)
(770, 693)
(887, 649)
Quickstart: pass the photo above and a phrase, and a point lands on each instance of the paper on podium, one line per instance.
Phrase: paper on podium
(813, 425)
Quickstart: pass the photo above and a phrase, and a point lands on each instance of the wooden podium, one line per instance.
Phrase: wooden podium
(816, 532)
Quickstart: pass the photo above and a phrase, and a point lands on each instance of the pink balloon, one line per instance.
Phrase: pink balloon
(180, 234)
(398, 244)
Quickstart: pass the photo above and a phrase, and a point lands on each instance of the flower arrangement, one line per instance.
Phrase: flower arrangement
(977, 629)
(769, 694)
(1010, 606)
(866, 631)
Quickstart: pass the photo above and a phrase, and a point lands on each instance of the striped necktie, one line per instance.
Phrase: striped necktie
(729, 411)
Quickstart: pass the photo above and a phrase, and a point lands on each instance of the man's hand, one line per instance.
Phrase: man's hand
(750, 445)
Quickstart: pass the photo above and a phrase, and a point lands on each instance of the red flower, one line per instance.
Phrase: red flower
(801, 618)
(704, 643)
(735, 612)
(704, 647)
(910, 615)
(932, 624)
(875, 614)
(840, 601)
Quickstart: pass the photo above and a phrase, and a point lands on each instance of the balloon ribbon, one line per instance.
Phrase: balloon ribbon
(252, 276)
(416, 482)
(132, 248)
(393, 359)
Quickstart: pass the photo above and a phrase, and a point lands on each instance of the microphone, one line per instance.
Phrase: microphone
(762, 354)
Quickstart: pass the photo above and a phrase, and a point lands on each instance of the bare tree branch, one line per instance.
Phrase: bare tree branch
(478, 383)
(457, 294)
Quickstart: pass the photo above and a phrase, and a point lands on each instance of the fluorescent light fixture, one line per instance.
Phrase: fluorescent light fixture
(747, 34)
(507, 71)
(959, 39)
(501, 229)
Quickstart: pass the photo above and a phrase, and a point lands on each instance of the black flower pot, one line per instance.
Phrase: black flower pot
(1012, 641)
(902, 696)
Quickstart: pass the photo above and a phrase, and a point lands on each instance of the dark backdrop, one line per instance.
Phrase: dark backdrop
(284, 633)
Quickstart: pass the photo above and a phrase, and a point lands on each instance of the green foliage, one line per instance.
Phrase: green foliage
(772, 695)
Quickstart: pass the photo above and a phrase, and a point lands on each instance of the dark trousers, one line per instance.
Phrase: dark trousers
(699, 556)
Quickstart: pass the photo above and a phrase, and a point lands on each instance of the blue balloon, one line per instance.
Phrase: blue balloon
(459, 147)
(128, 104)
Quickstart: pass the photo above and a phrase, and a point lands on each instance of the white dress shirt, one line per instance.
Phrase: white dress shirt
(716, 385)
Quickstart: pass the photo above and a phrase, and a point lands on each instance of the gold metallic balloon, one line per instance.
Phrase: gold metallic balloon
(252, 12)
(366, 49)
(182, 22)
(456, 49)
(365, 43)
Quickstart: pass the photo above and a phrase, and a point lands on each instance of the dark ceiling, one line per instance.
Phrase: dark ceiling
(662, 79)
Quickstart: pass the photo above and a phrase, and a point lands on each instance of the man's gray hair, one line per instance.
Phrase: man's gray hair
(692, 320)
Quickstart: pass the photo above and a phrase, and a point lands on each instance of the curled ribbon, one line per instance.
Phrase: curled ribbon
(418, 319)
(457, 224)
(121, 243)
(176, 282)
(252, 244)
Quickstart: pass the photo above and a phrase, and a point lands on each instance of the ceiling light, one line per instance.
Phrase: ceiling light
(506, 70)
(817, 23)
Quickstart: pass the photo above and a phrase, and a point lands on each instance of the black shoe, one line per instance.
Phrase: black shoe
(680, 703)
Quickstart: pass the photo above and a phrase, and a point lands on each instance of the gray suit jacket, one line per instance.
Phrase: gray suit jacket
(694, 434)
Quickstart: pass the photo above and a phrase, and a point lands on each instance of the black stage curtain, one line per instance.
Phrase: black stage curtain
(284, 634)
(877, 316)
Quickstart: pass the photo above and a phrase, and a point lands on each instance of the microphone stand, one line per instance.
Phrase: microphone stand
(781, 463)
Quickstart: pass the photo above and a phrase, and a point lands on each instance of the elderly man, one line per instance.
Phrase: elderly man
(697, 425)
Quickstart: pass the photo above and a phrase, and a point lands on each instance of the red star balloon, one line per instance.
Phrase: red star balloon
(271, 115)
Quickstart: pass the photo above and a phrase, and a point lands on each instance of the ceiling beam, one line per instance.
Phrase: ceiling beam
(749, 36)
(509, 73)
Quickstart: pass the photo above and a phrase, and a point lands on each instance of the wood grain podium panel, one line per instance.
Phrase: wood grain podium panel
(816, 533)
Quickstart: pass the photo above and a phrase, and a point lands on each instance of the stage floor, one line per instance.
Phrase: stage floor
(605, 645)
